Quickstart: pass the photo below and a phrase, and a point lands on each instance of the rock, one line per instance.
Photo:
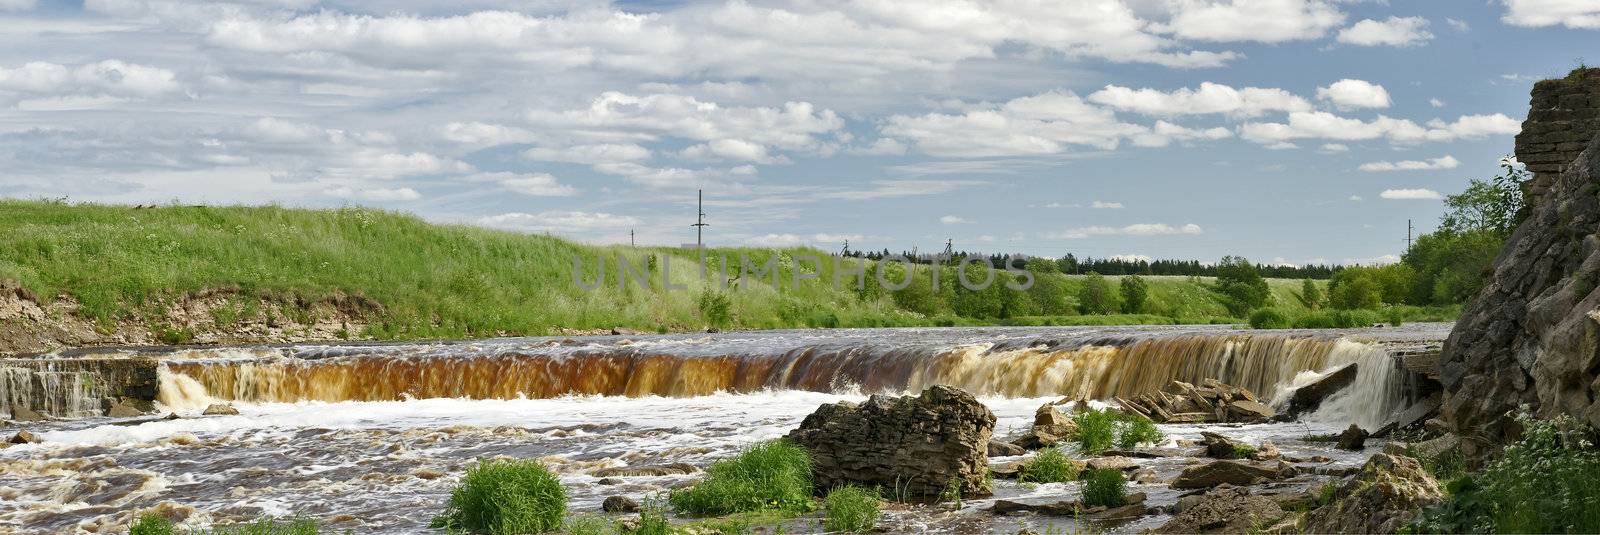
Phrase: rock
(1385, 495)
(24, 414)
(1146, 476)
(1221, 447)
(1121, 464)
(1353, 439)
(1008, 470)
(619, 504)
(220, 409)
(1246, 410)
(1225, 509)
(609, 481)
(1050, 427)
(123, 410)
(1267, 451)
(427, 473)
(1231, 472)
(1005, 449)
(1438, 446)
(915, 444)
(1308, 398)
(1529, 337)
(1036, 440)
(1007, 507)
(673, 469)
(23, 437)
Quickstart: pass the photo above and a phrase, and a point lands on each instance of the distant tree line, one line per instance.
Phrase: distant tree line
(1115, 266)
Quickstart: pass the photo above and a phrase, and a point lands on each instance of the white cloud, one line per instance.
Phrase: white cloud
(953, 220)
(732, 149)
(1106, 205)
(600, 153)
(1324, 125)
(531, 184)
(558, 221)
(1414, 194)
(1578, 14)
(485, 134)
(374, 194)
(1268, 21)
(889, 189)
(1443, 162)
(1458, 24)
(18, 5)
(733, 131)
(1048, 123)
(1331, 148)
(108, 77)
(1394, 31)
(380, 164)
(1209, 98)
(1436, 103)
(1356, 198)
(1139, 229)
(1348, 94)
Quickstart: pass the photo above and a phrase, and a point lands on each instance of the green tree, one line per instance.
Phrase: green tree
(1240, 286)
(1095, 295)
(1134, 294)
(1310, 294)
(1494, 205)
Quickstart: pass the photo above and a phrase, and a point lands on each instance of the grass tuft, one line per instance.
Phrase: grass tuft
(504, 498)
(769, 475)
(850, 509)
(1136, 430)
(1096, 430)
(151, 524)
(1104, 487)
(1049, 466)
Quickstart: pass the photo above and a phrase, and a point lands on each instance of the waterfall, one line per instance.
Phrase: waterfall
(1267, 364)
(59, 393)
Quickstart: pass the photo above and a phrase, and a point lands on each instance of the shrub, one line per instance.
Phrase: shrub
(1137, 430)
(850, 509)
(588, 525)
(151, 524)
(1104, 487)
(1545, 483)
(1096, 430)
(1269, 318)
(1242, 451)
(775, 475)
(505, 497)
(1050, 466)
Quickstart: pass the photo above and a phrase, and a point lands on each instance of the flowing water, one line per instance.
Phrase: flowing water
(372, 437)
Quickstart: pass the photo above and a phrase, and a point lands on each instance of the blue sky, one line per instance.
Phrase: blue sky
(1287, 131)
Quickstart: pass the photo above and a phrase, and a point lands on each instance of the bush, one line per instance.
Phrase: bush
(1242, 451)
(850, 509)
(1049, 466)
(1269, 318)
(1548, 482)
(505, 497)
(775, 475)
(1104, 487)
(1096, 430)
(1137, 430)
(151, 524)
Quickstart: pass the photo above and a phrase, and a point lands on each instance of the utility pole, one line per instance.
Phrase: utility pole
(1408, 234)
(700, 220)
(630, 238)
(949, 247)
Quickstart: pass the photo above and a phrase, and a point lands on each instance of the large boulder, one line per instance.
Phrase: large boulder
(1051, 427)
(1226, 509)
(916, 445)
(1241, 473)
(1385, 495)
(1354, 438)
(1531, 335)
(1309, 397)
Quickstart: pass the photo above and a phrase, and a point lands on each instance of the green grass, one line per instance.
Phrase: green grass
(1050, 465)
(1104, 487)
(588, 525)
(151, 524)
(850, 509)
(449, 281)
(1547, 482)
(769, 475)
(505, 498)
(1242, 451)
(1136, 430)
(1097, 430)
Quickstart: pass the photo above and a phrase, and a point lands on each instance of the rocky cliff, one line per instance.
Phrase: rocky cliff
(1532, 336)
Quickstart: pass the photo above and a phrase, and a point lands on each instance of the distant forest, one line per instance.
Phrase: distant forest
(1072, 265)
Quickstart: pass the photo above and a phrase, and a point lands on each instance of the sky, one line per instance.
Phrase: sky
(1286, 131)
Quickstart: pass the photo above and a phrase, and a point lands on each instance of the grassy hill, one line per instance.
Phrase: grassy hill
(127, 266)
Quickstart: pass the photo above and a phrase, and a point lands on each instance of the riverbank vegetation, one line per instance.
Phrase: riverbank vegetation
(769, 475)
(1547, 482)
(505, 497)
(123, 266)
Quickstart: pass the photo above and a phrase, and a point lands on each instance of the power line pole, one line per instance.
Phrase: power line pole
(700, 220)
(630, 238)
(1408, 234)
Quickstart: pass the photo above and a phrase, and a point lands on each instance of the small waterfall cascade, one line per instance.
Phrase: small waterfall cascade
(1101, 368)
(63, 394)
